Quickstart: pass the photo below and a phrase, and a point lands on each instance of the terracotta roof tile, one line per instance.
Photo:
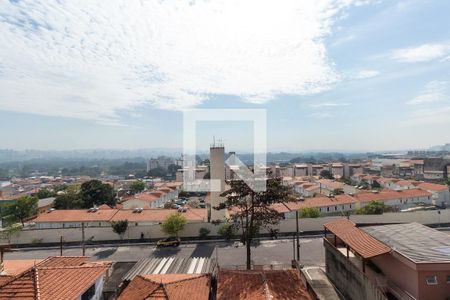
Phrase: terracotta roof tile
(14, 267)
(55, 278)
(255, 285)
(432, 186)
(159, 215)
(77, 215)
(63, 261)
(361, 242)
(168, 286)
(386, 195)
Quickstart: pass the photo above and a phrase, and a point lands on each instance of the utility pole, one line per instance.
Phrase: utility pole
(293, 247)
(61, 246)
(82, 238)
(298, 238)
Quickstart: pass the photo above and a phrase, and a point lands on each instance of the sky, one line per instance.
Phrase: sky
(331, 75)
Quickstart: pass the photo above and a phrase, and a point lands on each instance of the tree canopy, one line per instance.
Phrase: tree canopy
(25, 207)
(253, 209)
(310, 212)
(174, 224)
(137, 186)
(94, 192)
(373, 208)
(326, 174)
(120, 227)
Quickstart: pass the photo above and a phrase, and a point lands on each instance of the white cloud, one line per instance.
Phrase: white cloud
(429, 116)
(364, 74)
(327, 105)
(421, 53)
(433, 91)
(97, 59)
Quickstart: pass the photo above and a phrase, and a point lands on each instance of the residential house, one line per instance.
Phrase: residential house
(168, 286)
(396, 199)
(327, 205)
(387, 262)
(260, 285)
(61, 277)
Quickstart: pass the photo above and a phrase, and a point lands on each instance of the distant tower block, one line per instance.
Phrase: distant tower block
(217, 165)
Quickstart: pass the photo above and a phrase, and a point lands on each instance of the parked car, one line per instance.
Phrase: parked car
(170, 241)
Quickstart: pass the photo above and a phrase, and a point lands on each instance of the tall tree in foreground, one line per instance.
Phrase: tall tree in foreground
(253, 209)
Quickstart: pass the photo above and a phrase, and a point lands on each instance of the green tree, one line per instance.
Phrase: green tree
(10, 231)
(203, 232)
(326, 174)
(157, 172)
(364, 184)
(45, 193)
(254, 209)
(227, 231)
(94, 192)
(338, 191)
(120, 227)
(310, 212)
(137, 186)
(174, 224)
(25, 207)
(373, 208)
(69, 199)
(376, 185)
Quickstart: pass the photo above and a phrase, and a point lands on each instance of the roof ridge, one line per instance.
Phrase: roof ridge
(176, 281)
(71, 267)
(36, 283)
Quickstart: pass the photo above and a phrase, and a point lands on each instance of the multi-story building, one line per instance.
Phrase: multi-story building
(402, 261)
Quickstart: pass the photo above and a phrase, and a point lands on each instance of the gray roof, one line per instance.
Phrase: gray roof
(46, 201)
(417, 242)
(171, 265)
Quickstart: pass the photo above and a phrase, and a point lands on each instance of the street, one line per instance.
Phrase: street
(270, 252)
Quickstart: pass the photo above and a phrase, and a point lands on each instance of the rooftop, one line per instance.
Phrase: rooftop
(54, 278)
(386, 195)
(255, 285)
(417, 242)
(361, 242)
(168, 286)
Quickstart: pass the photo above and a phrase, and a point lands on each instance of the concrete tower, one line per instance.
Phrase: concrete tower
(217, 171)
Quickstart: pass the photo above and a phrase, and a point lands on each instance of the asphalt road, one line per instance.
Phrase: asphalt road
(275, 252)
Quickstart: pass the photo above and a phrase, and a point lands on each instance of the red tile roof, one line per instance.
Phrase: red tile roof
(255, 285)
(432, 186)
(314, 202)
(361, 242)
(168, 286)
(386, 195)
(56, 278)
(14, 267)
(77, 215)
(159, 215)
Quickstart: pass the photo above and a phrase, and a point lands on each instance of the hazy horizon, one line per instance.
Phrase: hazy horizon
(332, 75)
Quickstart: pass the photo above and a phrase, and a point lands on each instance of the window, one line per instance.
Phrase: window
(89, 293)
(431, 280)
(328, 209)
(448, 278)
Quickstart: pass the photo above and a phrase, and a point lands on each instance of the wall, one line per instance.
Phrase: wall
(431, 292)
(350, 281)
(191, 230)
(402, 275)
